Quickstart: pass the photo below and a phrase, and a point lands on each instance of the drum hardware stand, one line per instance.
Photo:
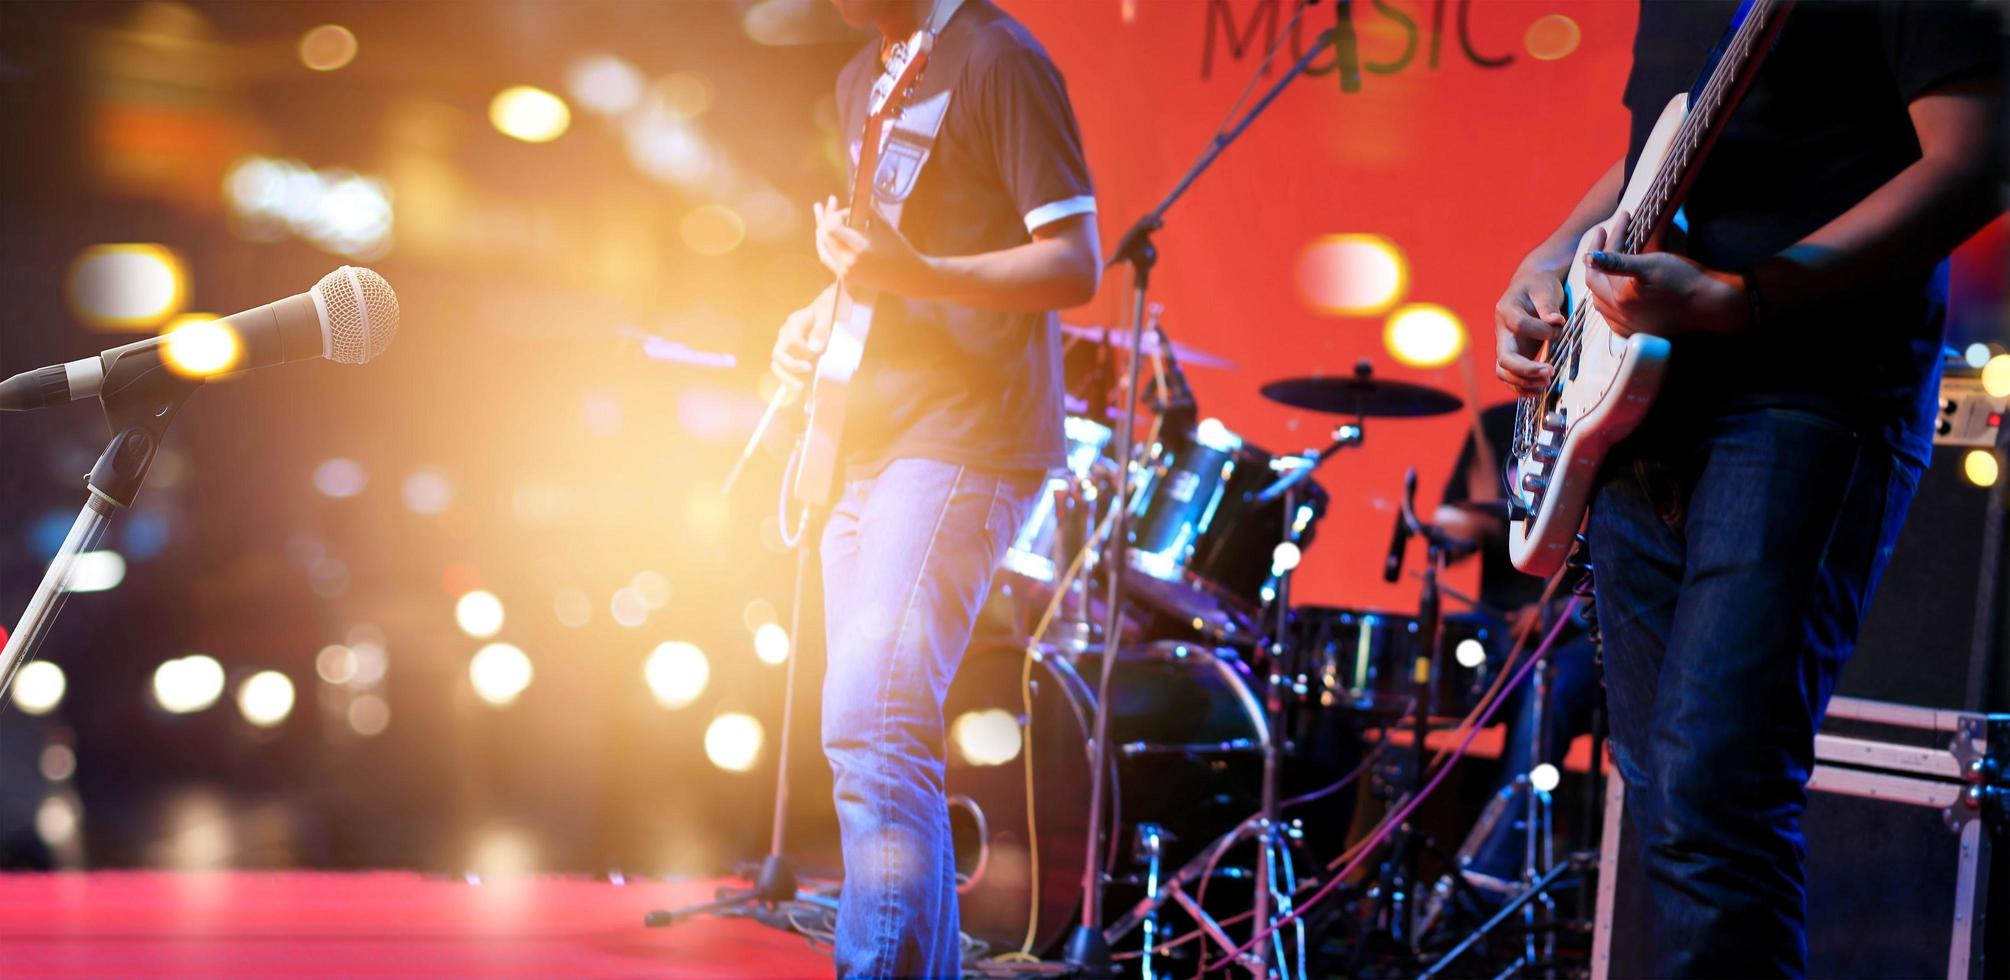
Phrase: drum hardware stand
(1087, 950)
(776, 882)
(141, 397)
(1265, 827)
(1397, 882)
(1540, 870)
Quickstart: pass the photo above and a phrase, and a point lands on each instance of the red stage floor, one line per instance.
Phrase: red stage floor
(224, 924)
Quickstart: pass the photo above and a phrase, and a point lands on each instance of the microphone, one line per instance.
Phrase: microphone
(1179, 396)
(1392, 567)
(348, 317)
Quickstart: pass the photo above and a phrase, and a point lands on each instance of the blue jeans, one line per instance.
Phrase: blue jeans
(1734, 565)
(907, 558)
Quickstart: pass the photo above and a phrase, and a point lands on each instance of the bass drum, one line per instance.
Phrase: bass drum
(1189, 732)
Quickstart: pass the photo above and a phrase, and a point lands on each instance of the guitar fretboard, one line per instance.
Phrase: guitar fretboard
(1704, 121)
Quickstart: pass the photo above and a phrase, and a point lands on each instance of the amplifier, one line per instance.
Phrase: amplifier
(1934, 635)
(1904, 827)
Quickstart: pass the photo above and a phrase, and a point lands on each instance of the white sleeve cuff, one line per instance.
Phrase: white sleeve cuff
(1047, 214)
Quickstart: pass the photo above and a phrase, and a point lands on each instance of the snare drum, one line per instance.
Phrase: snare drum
(1065, 512)
(1200, 544)
(1369, 660)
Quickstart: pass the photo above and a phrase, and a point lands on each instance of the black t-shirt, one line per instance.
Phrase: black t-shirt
(947, 382)
(1502, 586)
(1824, 124)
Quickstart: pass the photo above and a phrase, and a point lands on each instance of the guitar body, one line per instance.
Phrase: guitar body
(1605, 391)
(818, 460)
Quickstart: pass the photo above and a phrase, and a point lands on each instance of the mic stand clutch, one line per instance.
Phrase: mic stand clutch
(141, 397)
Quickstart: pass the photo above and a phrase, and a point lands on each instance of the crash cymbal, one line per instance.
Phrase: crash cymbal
(1120, 338)
(1362, 395)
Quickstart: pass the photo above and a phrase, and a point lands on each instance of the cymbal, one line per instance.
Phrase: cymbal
(1120, 338)
(1362, 396)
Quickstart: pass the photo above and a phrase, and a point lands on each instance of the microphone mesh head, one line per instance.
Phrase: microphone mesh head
(362, 314)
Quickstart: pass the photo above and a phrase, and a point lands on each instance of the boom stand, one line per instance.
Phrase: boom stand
(141, 397)
(1086, 950)
(776, 882)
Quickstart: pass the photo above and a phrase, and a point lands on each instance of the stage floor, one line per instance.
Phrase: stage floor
(233, 924)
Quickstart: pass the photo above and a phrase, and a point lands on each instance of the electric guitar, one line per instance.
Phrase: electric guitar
(817, 461)
(1604, 383)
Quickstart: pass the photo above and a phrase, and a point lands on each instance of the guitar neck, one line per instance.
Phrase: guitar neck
(1710, 109)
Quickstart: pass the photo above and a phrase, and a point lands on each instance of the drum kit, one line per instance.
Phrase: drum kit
(1219, 685)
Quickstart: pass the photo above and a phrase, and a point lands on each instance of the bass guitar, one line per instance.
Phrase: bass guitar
(1604, 383)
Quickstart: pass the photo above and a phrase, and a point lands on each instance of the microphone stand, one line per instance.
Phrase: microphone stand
(141, 398)
(1087, 950)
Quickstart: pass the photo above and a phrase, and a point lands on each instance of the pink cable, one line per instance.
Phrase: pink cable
(1394, 820)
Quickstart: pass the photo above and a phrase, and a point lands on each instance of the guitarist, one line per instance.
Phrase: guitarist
(954, 421)
(1739, 532)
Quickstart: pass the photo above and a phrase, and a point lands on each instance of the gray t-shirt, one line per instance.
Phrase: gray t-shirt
(942, 381)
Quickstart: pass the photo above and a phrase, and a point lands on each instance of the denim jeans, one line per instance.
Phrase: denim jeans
(908, 555)
(1733, 565)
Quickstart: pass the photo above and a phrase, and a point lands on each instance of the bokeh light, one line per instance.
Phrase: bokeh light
(58, 762)
(653, 586)
(572, 607)
(1551, 36)
(712, 229)
(340, 478)
(1981, 467)
(1996, 376)
(1351, 275)
(1424, 335)
(733, 741)
(328, 47)
(126, 286)
(428, 491)
(197, 345)
(56, 821)
(628, 607)
(188, 684)
(1545, 777)
(368, 715)
(479, 614)
(335, 664)
(771, 643)
(1470, 653)
(529, 113)
(605, 84)
(265, 698)
(96, 571)
(989, 737)
(500, 673)
(676, 673)
(39, 687)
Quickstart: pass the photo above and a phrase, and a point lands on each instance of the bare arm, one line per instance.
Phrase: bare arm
(1554, 254)
(1901, 229)
(1905, 226)
(1532, 308)
(1059, 268)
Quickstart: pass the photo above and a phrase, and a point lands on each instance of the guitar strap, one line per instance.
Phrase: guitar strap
(906, 142)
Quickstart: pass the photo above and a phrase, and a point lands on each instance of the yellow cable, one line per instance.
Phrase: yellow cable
(1063, 584)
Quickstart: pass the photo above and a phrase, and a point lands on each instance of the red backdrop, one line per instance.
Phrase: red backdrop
(1462, 165)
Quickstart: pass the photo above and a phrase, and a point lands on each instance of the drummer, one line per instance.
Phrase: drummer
(1512, 597)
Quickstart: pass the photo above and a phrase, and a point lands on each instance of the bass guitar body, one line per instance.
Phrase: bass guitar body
(1602, 390)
